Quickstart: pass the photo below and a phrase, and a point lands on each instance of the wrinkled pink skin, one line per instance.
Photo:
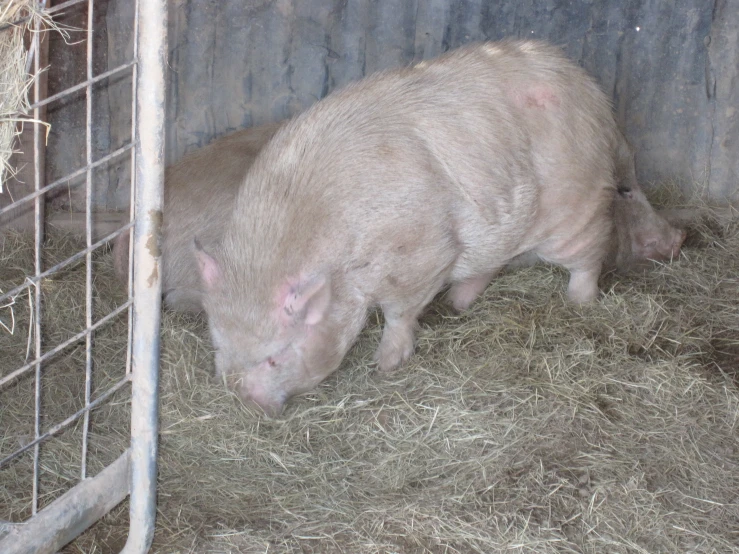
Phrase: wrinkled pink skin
(642, 234)
(649, 237)
(264, 385)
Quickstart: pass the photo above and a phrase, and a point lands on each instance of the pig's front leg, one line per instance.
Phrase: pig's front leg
(397, 342)
(583, 286)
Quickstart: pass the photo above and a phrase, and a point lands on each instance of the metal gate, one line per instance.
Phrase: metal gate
(54, 522)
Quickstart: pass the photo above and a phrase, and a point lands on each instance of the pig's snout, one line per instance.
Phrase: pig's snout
(671, 251)
(662, 246)
(272, 405)
(271, 410)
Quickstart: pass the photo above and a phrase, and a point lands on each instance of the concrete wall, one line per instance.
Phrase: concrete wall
(671, 68)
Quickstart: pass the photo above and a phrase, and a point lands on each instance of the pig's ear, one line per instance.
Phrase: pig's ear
(210, 271)
(305, 300)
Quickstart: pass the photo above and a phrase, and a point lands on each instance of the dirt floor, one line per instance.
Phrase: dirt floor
(524, 425)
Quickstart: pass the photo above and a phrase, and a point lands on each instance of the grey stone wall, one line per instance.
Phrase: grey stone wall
(671, 67)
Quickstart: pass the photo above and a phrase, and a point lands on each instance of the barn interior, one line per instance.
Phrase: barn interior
(524, 424)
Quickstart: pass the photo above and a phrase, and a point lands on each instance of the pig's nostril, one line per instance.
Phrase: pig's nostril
(272, 408)
(254, 405)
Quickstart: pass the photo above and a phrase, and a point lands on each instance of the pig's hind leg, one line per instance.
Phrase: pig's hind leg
(584, 261)
(463, 293)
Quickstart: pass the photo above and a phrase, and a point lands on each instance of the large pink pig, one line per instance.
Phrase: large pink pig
(396, 186)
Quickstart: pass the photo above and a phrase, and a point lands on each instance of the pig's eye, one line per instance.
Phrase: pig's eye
(271, 362)
(624, 191)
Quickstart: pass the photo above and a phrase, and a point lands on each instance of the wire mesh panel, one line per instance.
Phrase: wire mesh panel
(69, 393)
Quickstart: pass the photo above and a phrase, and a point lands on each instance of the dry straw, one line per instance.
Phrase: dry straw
(525, 425)
(18, 18)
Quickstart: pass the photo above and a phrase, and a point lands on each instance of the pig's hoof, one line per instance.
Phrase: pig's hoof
(580, 298)
(390, 354)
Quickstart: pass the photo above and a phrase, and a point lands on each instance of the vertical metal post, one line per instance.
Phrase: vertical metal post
(38, 226)
(132, 201)
(150, 112)
(88, 233)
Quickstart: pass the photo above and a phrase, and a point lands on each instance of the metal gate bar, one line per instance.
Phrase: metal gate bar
(72, 513)
(150, 79)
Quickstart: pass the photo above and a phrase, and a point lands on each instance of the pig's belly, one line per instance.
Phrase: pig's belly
(486, 247)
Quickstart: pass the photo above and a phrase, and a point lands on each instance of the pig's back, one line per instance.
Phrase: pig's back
(444, 155)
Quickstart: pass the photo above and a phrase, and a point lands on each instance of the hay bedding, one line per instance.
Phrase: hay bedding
(525, 425)
(64, 376)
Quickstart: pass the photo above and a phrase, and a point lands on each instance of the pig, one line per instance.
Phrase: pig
(641, 234)
(198, 193)
(395, 187)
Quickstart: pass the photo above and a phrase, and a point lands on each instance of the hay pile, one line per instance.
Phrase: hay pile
(525, 425)
(17, 18)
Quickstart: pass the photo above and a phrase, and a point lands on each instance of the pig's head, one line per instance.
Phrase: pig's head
(643, 235)
(272, 342)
